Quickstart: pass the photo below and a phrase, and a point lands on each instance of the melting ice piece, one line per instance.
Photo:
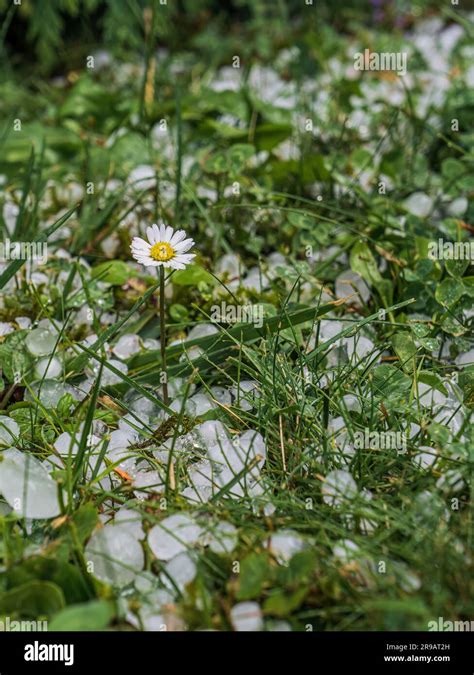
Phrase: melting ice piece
(338, 487)
(130, 520)
(350, 283)
(27, 485)
(285, 543)
(48, 367)
(345, 550)
(223, 538)
(173, 535)
(49, 392)
(419, 204)
(116, 555)
(9, 430)
(127, 346)
(40, 342)
(426, 457)
(246, 616)
(179, 572)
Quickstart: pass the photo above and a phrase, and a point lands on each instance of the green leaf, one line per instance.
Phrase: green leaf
(89, 616)
(405, 349)
(449, 292)
(363, 263)
(254, 571)
(420, 330)
(33, 599)
(192, 276)
(430, 343)
(282, 604)
(456, 268)
(115, 272)
(178, 312)
(85, 519)
(433, 380)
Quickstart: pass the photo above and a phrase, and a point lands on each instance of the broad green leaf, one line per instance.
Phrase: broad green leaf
(32, 600)
(449, 292)
(115, 272)
(363, 263)
(254, 571)
(90, 616)
(405, 349)
(282, 603)
(192, 275)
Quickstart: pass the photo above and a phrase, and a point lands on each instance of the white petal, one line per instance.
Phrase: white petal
(144, 260)
(168, 233)
(137, 242)
(162, 232)
(140, 250)
(178, 236)
(184, 246)
(150, 233)
(175, 265)
(184, 258)
(156, 233)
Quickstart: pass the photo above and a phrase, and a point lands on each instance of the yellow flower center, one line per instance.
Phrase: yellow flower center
(162, 251)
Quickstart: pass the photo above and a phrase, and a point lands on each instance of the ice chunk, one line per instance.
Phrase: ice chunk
(351, 402)
(116, 555)
(127, 346)
(202, 330)
(201, 404)
(65, 444)
(142, 177)
(48, 367)
(338, 487)
(222, 395)
(345, 550)
(109, 377)
(173, 535)
(419, 204)
(426, 457)
(27, 485)
(245, 394)
(5, 328)
(131, 521)
(120, 439)
(465, 359)
(179, 572)
(246, 616)
(358, 345)
(284, 544)
(223, 538)
(151, 343)
(9, 430)
(349, 283)
(229, 265)
(23, 322)
(49, 392)
(210, 433)
(40, 342)
(429, 396)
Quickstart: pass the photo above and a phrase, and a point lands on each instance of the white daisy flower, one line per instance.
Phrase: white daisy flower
(164, 247)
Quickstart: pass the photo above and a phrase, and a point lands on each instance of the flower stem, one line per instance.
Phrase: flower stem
(164, 374)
